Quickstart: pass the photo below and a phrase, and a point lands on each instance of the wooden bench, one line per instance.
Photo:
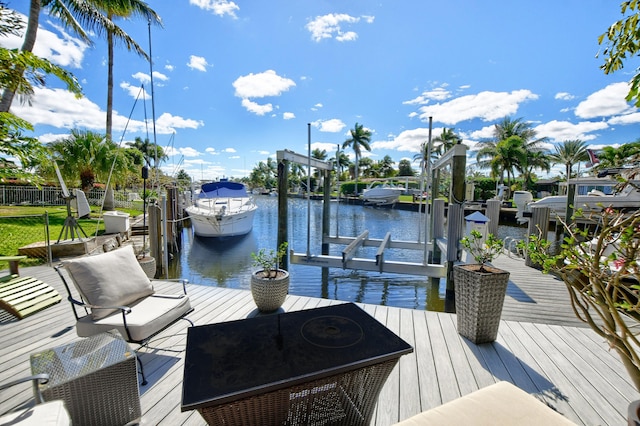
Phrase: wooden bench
(23, 296)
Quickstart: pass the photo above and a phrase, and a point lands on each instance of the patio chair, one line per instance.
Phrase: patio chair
(115, 293)
(24, 296)
(42, 413)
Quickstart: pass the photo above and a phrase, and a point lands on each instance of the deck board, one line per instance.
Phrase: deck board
(541, 347)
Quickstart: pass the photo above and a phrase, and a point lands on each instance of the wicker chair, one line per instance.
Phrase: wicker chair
(115, 293)
(42, 413)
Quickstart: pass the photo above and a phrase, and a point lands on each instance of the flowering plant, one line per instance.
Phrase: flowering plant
(483, 252)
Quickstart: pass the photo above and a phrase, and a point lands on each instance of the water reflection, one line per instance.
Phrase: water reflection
(228, 263)
(221, 259)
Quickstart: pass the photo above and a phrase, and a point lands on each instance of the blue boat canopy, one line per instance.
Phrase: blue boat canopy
(223, 189)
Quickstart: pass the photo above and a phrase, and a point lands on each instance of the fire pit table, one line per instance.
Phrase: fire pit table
(313, 367)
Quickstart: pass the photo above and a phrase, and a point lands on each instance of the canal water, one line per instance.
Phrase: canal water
(228, 263)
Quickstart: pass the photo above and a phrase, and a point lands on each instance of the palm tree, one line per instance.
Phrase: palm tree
(150, 151)
(446, 140)
(386, 166)
(90, 157)
(625, 155)
(514, 147)
(122, 9)
(503, 156)
(83, 17)
(569, 153)
(537, 159)
(360, 138)
(368, 168)
(73, 13)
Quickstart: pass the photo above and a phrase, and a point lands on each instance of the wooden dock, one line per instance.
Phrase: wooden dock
(540, 348)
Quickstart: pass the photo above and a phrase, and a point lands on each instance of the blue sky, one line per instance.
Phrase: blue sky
(234, 82)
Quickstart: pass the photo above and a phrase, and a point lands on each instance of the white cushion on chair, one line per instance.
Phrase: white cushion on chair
(499, 404)
(147, 317)
(109, 279)
(49, 414)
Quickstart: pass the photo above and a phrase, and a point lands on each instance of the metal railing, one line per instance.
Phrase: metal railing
(52, 196)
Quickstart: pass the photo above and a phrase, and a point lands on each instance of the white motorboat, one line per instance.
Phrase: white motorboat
(381, 194)
(222, 209)
(593, 195)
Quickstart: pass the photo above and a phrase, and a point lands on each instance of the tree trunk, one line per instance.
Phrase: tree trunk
(27, 46)
(109, 83)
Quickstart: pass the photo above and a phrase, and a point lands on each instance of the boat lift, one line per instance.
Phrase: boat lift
(347, 260)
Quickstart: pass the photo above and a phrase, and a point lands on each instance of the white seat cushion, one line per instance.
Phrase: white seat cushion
(48, 414)
(498, 404)
(147, 317)
(111, 279)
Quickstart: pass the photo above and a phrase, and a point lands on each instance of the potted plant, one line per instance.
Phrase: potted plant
(269, 285)
(600, 268)
(480, 289)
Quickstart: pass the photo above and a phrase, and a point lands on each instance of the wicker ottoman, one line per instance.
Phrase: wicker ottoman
(96, 377)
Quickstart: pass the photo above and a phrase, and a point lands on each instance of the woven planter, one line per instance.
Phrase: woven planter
(269, 294)
(479, 300)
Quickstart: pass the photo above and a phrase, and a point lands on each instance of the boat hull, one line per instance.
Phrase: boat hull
(206, 224)
(381, 196)
(588, 203)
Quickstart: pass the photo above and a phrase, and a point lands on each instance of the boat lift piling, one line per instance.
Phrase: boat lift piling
(347, 260)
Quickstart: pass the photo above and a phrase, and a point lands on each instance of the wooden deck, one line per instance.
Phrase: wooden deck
(541, 348)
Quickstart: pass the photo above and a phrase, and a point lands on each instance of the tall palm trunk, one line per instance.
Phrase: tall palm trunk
(27, 46)
(110, 82)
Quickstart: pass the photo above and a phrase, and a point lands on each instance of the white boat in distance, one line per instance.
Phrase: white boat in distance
(222, 209)
(628, 198)
(381, 194)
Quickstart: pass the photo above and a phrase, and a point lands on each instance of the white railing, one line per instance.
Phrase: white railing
(52, 196)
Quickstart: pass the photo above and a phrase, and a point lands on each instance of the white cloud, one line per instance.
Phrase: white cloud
(60, 108)
(142, 77)
(632, 118)
(218, 7)
(197, 63)
(605, 102)
(408, 140)
(167, 123)
(211, 151)
(61, 49)
(169, 67)
(486, 106)
(260, 85)
(288, 115)
(437, 94)
(333, 126)
(189, 152)
(558, 131)
(564, 96)
(348, 36)
(229, 150)
(329, 147)
(50, 137)
(484, 133)
(257, 108)
(329, 26)
(263, 84)
(136, 92)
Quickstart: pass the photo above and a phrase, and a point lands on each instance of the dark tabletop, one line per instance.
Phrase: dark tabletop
(237, 359)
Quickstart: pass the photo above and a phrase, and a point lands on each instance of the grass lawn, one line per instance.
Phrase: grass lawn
(19, 227)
